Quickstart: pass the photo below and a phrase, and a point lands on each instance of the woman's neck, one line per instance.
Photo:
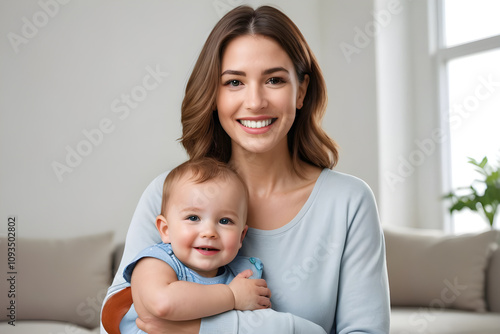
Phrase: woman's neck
(277, 192)
(265, 173)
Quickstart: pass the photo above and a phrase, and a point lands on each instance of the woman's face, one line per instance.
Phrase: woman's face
(258, 94)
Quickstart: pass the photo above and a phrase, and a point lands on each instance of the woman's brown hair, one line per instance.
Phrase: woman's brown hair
(202, 133)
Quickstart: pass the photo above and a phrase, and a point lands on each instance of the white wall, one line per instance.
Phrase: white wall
(65, 69)
(349, 68)
(72, 74)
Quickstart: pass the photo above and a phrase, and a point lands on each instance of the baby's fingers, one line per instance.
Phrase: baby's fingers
(260, 282)
(264, 302)
(264, 292)
(245, 274)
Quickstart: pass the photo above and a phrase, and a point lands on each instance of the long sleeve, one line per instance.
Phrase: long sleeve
(260, 321)
(363, 297)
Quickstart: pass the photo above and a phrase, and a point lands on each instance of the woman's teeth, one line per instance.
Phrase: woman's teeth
(255, 124)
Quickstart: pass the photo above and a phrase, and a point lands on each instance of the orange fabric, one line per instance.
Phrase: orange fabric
(115, 308)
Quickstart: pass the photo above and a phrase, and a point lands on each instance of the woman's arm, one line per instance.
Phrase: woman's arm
(232, 322)
(363, 300)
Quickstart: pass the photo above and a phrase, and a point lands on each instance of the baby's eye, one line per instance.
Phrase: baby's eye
(225, 221)
(193, 218)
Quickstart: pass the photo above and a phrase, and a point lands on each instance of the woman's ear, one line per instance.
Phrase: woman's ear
(301, 94)
(162, 227)
(243, 234)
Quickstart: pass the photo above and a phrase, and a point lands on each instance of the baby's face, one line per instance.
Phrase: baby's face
(206, 223)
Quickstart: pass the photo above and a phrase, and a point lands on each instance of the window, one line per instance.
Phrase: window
(469, 20)
(469, 60)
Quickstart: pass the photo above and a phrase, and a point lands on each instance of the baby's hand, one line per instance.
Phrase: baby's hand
(250, 294)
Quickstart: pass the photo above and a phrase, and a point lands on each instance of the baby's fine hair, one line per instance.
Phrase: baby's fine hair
(202, 170)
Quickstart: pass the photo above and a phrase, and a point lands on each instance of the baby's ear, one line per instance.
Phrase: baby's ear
(162, 227)
(243, 234)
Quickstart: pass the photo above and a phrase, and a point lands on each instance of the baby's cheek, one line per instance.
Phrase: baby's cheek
(233, 246)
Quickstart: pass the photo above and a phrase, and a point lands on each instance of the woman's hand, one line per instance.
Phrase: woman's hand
(159, 326)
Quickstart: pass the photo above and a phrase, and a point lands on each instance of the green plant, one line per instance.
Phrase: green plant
(487, 202)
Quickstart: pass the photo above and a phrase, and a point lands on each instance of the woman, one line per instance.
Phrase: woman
(255, 99)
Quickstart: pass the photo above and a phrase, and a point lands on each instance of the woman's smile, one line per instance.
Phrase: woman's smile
(256, 126)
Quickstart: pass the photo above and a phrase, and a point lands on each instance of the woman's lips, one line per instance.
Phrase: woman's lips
(256, 126)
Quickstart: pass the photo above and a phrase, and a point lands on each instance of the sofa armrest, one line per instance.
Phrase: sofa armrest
(493, 282)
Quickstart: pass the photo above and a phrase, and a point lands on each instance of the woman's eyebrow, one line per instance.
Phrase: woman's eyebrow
(274, 69)
(233, 72)
(265, 72)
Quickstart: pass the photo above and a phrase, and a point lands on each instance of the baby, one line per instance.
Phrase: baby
(195, 271)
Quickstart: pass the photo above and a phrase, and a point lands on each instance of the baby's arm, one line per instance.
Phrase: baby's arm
(157, 293)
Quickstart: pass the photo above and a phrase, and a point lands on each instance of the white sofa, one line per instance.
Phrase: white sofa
(60, 284)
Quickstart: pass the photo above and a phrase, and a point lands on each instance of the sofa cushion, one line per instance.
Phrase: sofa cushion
(44, 327)
(432, 321)
(58, 279)
(429, 269)
(492, 281)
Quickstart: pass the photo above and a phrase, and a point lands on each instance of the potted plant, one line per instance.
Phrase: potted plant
(486, 202)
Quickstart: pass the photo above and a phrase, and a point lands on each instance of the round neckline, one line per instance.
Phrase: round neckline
(222, 277)
(300, 214)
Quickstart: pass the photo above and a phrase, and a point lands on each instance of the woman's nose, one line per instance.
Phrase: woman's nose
(255, 98)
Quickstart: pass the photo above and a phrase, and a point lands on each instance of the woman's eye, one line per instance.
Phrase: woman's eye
(193, 218)
(233, 83)
(225, 221)
(275, 81)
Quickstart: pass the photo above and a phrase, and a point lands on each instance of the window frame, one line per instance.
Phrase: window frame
(442, 56)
